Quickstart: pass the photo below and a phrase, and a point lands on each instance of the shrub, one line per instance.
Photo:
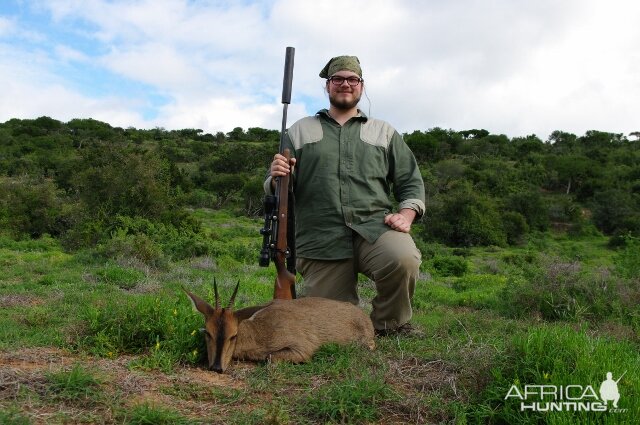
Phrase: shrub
(627, 260)
(449, 265)
(124, 182)
(515, 227)
(530, 205)
(138, 246)
(150, 241)
(465, 218)
(616, 211)
(162, 327)
(32, 207)
(564, 291)
(122, 277)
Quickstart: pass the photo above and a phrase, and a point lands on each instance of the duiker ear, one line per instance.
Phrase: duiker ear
(199, 304)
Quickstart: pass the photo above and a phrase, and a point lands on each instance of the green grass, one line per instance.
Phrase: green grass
(147, 414)
(559, 355)
(557, 310)
(12, 416)
(77, 384)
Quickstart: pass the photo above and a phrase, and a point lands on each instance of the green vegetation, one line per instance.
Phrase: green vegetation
(530, 276)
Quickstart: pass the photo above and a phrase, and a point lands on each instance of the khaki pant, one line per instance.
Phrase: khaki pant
(392, 262)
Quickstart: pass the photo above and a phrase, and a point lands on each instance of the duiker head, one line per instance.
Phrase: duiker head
(220, 328)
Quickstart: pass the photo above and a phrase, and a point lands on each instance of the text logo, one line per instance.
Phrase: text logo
(568, 398)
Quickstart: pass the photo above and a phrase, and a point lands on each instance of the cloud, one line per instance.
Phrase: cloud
(510, 67)
(6, 26)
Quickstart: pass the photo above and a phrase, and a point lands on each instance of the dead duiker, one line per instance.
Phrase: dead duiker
(290, 330)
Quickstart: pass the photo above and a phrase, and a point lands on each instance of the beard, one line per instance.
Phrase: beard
(343, 103)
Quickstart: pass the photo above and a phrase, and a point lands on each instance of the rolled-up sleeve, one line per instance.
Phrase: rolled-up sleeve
(408, 186)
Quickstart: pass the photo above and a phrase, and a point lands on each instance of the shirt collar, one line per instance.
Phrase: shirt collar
(325, 113)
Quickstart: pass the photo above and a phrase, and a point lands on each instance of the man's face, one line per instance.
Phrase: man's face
(344, 96)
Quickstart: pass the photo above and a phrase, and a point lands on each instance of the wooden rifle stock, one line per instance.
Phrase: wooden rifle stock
(284, 287)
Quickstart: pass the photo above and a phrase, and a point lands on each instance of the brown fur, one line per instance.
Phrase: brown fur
(290, 330)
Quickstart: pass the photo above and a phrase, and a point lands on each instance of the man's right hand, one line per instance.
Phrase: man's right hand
(279, 166)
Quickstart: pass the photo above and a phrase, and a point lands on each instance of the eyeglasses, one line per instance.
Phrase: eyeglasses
(352, 81)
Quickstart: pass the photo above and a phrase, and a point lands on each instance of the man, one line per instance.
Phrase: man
(346, 164)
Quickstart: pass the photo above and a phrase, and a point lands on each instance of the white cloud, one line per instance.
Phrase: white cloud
(67, 54)
(6, 26)
(513, 67)
(155, 64)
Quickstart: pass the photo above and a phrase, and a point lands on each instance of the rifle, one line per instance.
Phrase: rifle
(278, 233)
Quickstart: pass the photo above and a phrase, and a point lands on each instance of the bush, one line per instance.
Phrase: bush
(558, 290)
(152, 241)
(449, 265)
(616, 211)
(122, 277)
(627, 260)
(515, 227)
(117, 181)
(138, 246)
(531, 207)
(162, 327)
(32, 207)
(465, 218)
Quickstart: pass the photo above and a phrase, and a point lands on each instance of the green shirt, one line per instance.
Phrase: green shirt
(342, 181)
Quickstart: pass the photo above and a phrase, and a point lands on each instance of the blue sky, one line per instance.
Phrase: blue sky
(510, 66)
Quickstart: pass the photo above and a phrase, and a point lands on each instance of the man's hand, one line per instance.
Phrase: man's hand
(400, 221)
(279, 167)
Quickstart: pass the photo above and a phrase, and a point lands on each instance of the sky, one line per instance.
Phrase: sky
(513, 67)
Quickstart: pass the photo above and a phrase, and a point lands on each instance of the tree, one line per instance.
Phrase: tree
(423, 146)
(464, 217)
(616, 212)
(562, 142)
(530, 205)
(32, 207)
(572, 170)
(122, 182)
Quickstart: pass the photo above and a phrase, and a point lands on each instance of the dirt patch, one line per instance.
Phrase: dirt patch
(24, 382)
(33, 359)
(424, 375)
(13, 300)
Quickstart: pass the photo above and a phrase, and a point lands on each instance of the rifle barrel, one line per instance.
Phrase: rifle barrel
(288, 75)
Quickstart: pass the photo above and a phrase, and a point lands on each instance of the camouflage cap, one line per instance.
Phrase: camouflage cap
(341, 63)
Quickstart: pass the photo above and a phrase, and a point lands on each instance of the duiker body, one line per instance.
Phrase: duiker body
(290, 330)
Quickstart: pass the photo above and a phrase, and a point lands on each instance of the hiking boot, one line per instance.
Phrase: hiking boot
(404, 330)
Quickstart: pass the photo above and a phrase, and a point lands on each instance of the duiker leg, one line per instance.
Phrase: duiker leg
(393, 263)
(290, 355)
